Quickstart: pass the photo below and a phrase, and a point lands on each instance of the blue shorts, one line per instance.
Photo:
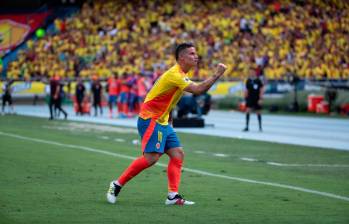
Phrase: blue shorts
(113, 99)
(132, 100)
(156, 137)
(123, 97)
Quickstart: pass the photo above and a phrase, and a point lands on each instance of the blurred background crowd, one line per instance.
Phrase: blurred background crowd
(277, 38)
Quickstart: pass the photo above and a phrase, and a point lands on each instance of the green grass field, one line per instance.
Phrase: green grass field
(59, 172)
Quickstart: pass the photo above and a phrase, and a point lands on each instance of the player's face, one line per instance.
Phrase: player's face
(190, 56)
(253, 74)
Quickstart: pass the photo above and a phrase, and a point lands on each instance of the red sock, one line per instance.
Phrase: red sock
(134, 168)
(174, 170)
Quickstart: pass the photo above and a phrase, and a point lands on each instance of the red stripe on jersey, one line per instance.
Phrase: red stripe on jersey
(157, 106)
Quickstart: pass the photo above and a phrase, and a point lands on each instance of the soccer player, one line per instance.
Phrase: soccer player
(96, 89)
(158, 137)
(253, 96)
(7, 96)
(80, 95)
(113, 88)
(143, 86)
(56, 96)
(125, 86)
(132, 99)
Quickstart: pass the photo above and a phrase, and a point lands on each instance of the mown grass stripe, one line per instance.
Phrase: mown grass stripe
(89, 149)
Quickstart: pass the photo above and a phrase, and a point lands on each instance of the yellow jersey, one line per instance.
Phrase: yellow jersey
(164, 95)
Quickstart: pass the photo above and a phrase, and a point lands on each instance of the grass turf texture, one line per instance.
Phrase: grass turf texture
(45, 183)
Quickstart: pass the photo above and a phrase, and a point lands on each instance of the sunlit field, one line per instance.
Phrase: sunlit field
(59, 172)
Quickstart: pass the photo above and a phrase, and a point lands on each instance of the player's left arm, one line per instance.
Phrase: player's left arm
(205, 85)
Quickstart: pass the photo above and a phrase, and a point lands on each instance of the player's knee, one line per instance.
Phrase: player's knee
(179, 154)
(152, 158)
(152, 161)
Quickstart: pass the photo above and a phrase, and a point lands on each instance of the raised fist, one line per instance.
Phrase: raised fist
(221, 69)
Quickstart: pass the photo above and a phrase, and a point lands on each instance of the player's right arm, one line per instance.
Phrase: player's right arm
(204, 86)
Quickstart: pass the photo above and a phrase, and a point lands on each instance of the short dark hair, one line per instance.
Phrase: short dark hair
(181, 47)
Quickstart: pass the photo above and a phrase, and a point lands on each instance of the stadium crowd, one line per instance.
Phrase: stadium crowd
(106, 38)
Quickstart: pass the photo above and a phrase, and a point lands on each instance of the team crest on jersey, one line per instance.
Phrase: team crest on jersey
(157, 145)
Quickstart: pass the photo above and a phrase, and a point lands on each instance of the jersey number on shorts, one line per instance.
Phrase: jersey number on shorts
(159, 136)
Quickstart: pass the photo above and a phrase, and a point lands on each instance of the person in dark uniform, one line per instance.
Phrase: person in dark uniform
(253, 96)
(80, 94)
(59, 101)
(96, 90)
(7, 95)
(56, 97)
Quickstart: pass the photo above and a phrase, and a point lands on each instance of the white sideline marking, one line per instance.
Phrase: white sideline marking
(290, 187)
(119, 140)
(248, 159)
(296, 164)
(220, 155)
(199, 152)
(308, 165)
